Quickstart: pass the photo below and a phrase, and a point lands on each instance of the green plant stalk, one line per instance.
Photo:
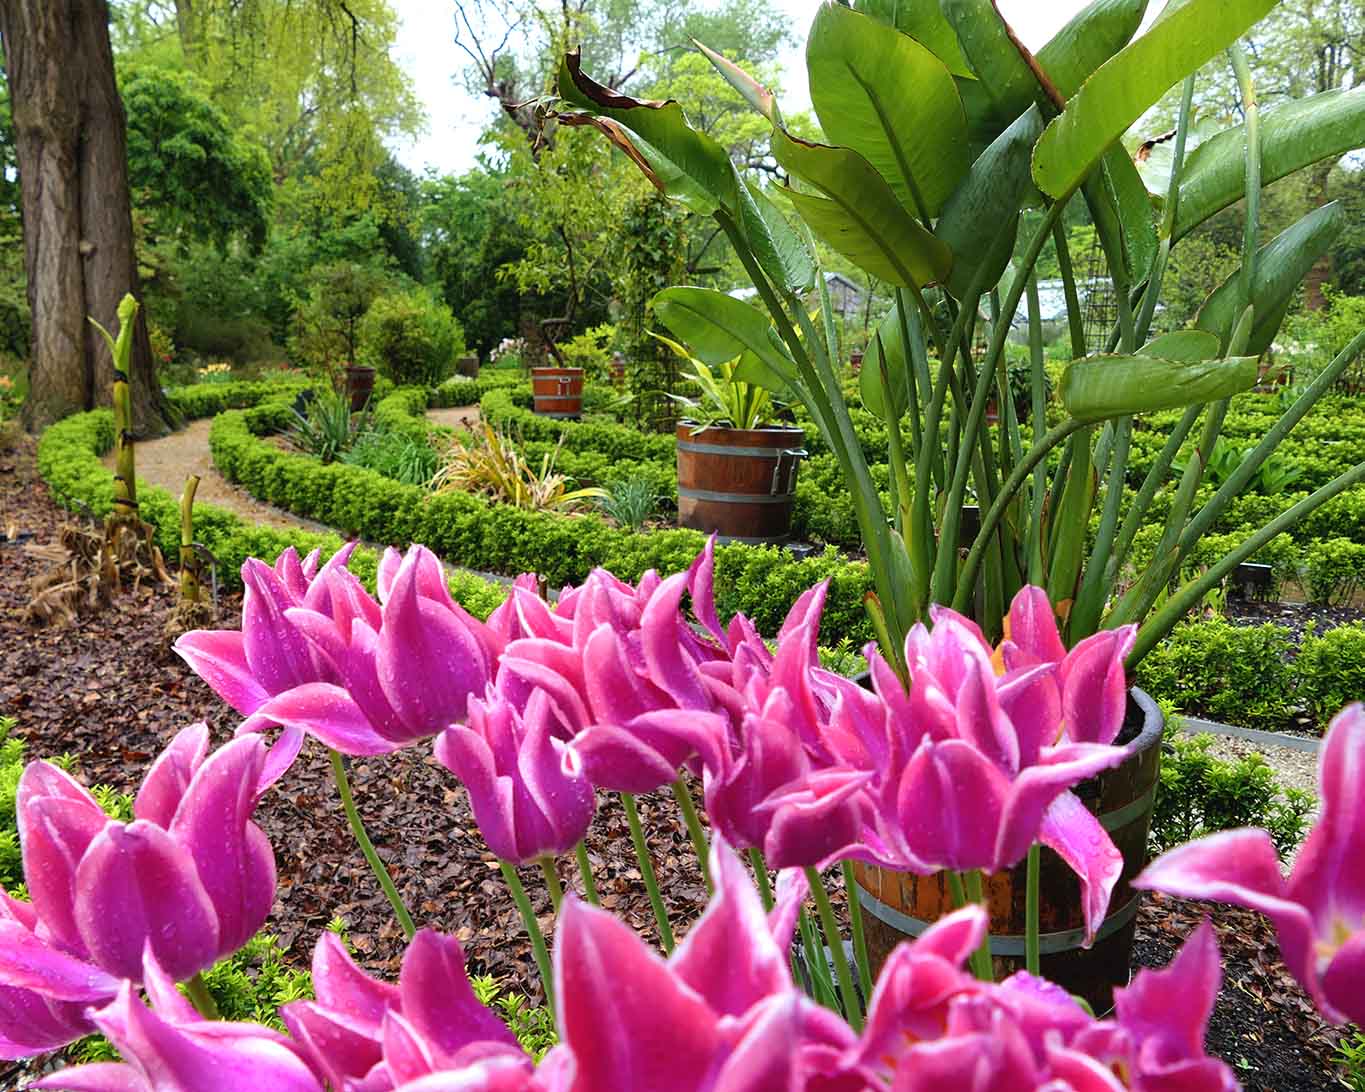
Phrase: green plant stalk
(765, 887)
(1152, 291)
(200, 997)
(848, 995)
(855, 918)
(1069, 524)
(1074, 320)
(1031, 959)
(637, 837)
(1038, 382)
(1161, 623)
(362, 838)
(1142, 502)
(552, 884)
(695, 832)
(1252, 126)
(822, 986)
(1085, 615)
(946, 561)
(1253, 461)
(528, 917)
(981, 958)
(189, 581)
(1036, 454)
(580, 853)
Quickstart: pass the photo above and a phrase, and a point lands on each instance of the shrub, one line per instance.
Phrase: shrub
(1334, 569)
(1200, 794)
(1225, 672)
(326, 320)
(410, 337)
(484, 460)
(325, 426)
(1331, 670)
(395, 454)
(630, 501)
(11, 766)
(591, 351)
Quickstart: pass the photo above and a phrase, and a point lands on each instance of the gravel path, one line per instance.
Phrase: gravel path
(455, 416)
(1293, 768)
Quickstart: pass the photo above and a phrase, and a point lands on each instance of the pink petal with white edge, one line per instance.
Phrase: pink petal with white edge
(27, 963)
(950, 802)
(218, 656)
(99, 1077)
(327, 712)
(170, 775)
(57, 821)
(1037, 787)
(1094, 686)
(1032, 632)
(1071, 831)
(438, 999)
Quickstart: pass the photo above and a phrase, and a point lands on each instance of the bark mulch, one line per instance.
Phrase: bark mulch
(106, 689)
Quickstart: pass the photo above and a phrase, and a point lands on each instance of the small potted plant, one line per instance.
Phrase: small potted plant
(736, 465)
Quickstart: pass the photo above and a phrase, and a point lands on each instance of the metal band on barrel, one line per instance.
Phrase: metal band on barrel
(740, 452)
(734, 498)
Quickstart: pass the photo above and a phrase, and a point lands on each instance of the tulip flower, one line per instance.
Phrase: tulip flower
(1319, 911)
(527, 789)
(721, 1013)
(171, 1048)
(397, 673)
(268, 655)
(191, 879)
(362, 1030)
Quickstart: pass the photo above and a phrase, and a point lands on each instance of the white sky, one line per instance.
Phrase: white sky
(426, 49)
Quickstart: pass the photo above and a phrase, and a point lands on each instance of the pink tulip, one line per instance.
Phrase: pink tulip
(395, 673)
(361, 1030)
(191, 878)
(1319, 911)
(527, 789)
(171, 1048)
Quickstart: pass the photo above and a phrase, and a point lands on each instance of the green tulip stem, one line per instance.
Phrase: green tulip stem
(201, 999)
(695, 832)
(765, 887)
(981, 958)
(528, 917)
(580, 852)
(853, 1011)
(855, 917)
(637, 836)
(552, 884)
(1031, 911)
(381, 873)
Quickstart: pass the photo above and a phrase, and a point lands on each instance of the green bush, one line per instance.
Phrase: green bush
(1237, 674)
(11, 766)
(1200, 794)
(1331, 670)
(1334, 568)
(410, 337)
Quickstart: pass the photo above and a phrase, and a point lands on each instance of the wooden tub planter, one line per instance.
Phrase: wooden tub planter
(557, 392)
(359, 385)
(739, 484)
(898, 905)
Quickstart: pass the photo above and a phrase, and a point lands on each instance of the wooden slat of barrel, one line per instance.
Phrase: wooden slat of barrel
(557, 392)
(1123, 799)
(738, 483)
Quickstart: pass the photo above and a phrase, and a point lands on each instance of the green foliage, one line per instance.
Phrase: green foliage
(1350, 1056)
(630, 501)
(326, 427)
(327, 313)
(1335, 570)
(395, 454)
(1200, 794)
(1331, 670)
(534, 1026)
(1236, 674)
(591, 351)
(11, 766)
(410, 337)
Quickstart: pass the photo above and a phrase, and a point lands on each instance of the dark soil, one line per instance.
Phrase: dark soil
(106, 690)
(1296, 617)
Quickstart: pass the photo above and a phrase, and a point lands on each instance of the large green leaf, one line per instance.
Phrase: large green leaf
(885, 374)
(860, 70)
(860, 216)
(1098, 387)
(1189, 33)
(1008, 82)
(1091, 37)
(1292, 136)
(1187, 345)
(925, 23)
(684, 163)
(718, 328)
(756, 94)
(980, 219)
(1136, 213)
(1280, 267)
(780, 249)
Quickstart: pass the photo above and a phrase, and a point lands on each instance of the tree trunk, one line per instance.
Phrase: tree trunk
(70, 139)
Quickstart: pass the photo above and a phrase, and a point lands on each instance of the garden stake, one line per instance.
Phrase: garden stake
(528, 916)
(199, 995)
(695, 831)
(580, 852)
(552, 884)
(1031, 911)
(637, 836)
(366, 846)
(855, 917)
(852, 1009)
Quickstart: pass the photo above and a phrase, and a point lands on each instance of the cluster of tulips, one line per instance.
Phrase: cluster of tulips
(959, 758)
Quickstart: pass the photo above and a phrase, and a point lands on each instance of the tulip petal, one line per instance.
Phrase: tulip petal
(1168, 1010)
(438, 999)
(1031, 630)
(27, 963)
(1037, 787)
(57, 821)
(327, 712)
(137, 886)
(938, 824)
(275, 650)
(1343, 982)
(170, 775)
(218, 656)
(96, 1077)
(701, 584)
(1071, 831)
(768, 1057)
(669, 668)
(1094, 686)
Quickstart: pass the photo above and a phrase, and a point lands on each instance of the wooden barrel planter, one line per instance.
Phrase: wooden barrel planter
(557, 392)
(739, 484)
(359, 385)
(898, 905)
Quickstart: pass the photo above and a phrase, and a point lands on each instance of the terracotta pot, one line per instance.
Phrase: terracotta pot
(738, 483)
(359, 385)
(557, 392)
(899, 905)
